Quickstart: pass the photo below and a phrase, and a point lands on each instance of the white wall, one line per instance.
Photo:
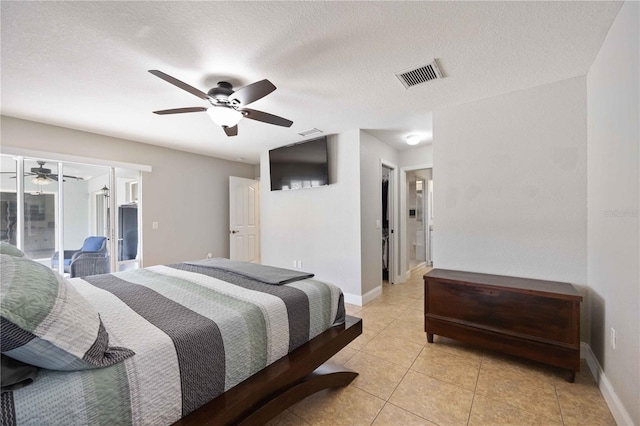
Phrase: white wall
(422, 155)
(319, 226)
(187, 194)
(372, 152)
(613, 205)
(510, 177)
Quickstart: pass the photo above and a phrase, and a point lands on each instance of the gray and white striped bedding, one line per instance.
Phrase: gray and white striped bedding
(196, 332)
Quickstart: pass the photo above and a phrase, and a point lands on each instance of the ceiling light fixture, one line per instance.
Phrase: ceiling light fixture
(310, 132)
(413, 140)
(40, 180)
(224, 116)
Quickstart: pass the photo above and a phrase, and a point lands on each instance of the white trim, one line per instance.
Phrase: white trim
(620, 414)
(51, 156)
(358, 300)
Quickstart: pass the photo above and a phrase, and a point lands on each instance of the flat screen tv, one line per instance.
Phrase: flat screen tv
(298, 166)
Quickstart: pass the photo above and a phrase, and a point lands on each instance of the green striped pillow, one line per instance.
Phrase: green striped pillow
(47, 323)
(11, 250)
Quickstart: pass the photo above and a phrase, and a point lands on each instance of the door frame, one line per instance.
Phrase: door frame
(394, 261)
(403, 275)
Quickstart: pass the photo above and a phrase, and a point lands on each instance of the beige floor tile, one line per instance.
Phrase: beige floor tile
(343, 356)
(407, 289)
(394, 416)
(519, 388)
(455, 347)
(395, 350)
(439, 362)
(287, 418)
(382, 311)
(489, 411)
(411, 331)
(417, 316)
(432, 399)
(352, 310)
(517, 367)
(581, 402)
(361, 341)
(341, 407)
(375, 375)
(418, 305)
(371, 321)
(393, 299)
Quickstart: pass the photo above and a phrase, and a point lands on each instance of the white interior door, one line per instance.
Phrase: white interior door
(244, 219)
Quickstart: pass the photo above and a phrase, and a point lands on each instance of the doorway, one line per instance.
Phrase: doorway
(419, 218)
(416, 236)
(388, 223)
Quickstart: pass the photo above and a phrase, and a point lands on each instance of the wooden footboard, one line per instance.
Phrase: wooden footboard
(283, 383)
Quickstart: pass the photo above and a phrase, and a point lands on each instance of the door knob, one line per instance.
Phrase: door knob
(235, 231)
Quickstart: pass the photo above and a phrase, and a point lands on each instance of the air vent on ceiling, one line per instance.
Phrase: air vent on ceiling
(419, 75)
(310, 132)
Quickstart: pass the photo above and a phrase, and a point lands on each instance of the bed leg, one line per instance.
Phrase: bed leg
(326, 376)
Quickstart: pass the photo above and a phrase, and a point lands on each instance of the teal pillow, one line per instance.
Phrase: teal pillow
(47, 323)
(6, 248)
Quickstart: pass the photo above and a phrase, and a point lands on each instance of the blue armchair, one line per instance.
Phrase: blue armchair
(91, 259)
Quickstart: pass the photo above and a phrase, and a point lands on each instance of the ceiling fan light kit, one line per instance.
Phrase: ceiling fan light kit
(227, 105)
(40, 180)
(224, 116)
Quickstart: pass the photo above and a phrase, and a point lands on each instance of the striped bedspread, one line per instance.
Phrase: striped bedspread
(196, 332)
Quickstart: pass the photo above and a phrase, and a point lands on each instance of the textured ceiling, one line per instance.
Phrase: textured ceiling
(83, 65)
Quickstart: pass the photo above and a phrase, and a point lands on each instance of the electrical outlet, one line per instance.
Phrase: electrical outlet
(299, 264)
(154, 225)
(209, 255)
(295, 263)
(613, 338)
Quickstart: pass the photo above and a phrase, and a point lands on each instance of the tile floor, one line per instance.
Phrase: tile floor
(403, 380)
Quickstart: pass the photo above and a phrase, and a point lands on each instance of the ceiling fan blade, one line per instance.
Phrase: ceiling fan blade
(266, 117)
(73, 177)
(251, 93)
(231, 131)
(180, 84)
(180, 110)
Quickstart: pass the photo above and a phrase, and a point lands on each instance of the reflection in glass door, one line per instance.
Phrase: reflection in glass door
(83, 236)
(40, 210)
(128, 218)
(8, 201)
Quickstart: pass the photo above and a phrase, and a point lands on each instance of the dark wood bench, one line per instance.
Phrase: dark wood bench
(533, 319)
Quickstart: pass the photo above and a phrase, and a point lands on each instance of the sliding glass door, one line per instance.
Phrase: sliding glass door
(80, 219)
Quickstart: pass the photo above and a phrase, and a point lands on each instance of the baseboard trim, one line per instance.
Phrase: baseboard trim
(620, 414)
(354, 299)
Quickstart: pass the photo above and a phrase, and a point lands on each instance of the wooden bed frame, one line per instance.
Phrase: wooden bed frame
(292, 378)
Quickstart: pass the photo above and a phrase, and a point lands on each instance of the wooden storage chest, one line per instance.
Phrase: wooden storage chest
(534, 319)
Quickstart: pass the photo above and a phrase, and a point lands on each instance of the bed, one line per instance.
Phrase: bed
(200, 344)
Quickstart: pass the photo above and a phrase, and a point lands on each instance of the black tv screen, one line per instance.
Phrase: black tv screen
(298, 166)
